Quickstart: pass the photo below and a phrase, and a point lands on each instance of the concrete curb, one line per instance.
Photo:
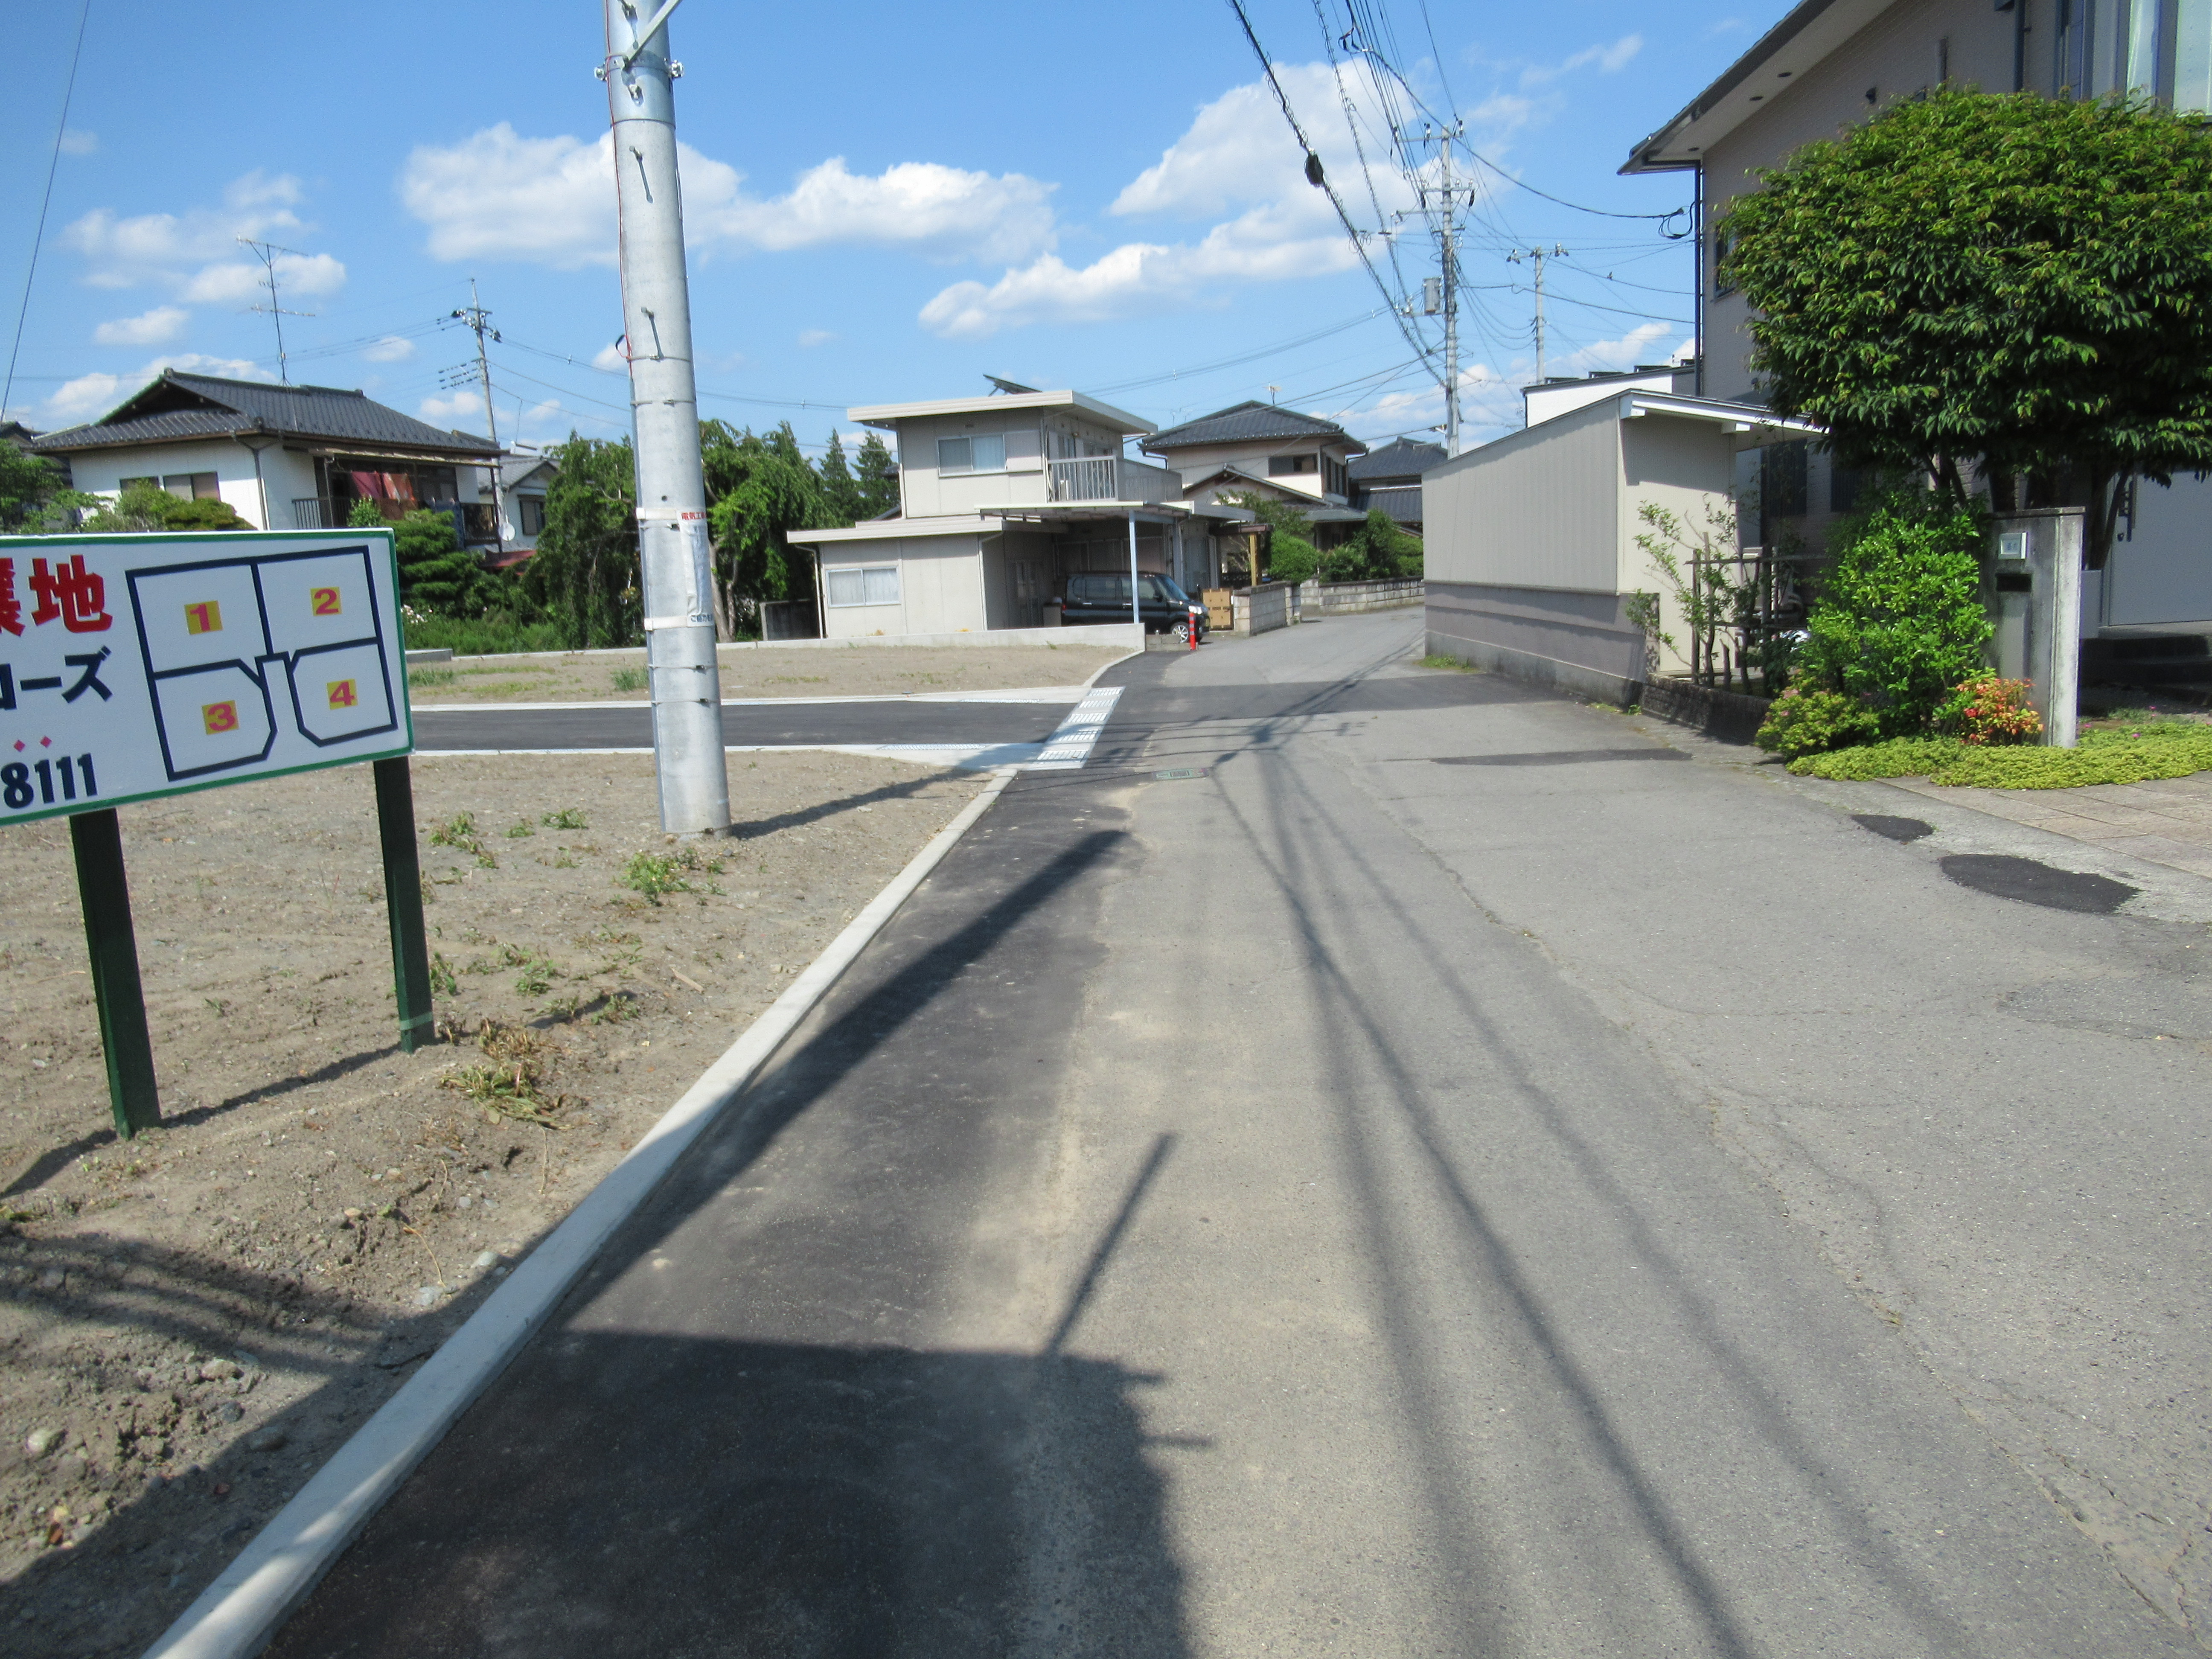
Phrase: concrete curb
(239, 1614)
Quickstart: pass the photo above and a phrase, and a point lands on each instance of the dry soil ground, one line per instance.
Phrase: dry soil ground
(860, 671)
(191, 1320)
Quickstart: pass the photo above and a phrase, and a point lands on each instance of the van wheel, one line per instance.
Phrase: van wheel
(1183, 633)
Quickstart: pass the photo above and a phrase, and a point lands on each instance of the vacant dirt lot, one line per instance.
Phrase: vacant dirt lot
(870, 670)
(191, 1320)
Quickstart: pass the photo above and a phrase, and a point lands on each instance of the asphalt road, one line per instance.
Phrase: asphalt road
(1439, 1171)
(874, 720)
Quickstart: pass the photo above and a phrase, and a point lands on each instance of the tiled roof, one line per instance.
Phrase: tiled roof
(180, 406)
(1402, 502)
(1247, 423)
(1401, 458)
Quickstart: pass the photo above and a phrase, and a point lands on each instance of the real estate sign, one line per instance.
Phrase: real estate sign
(137, 666)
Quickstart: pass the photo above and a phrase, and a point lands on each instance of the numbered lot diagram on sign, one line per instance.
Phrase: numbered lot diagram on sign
(132, 666)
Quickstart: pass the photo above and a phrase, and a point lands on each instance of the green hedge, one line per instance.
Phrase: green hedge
(2167, 749)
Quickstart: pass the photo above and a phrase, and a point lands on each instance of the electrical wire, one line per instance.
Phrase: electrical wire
(1319, 179)
(45, 202)
(1247, 357)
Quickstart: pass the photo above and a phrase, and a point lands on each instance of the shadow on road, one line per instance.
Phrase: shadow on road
(861, 1501)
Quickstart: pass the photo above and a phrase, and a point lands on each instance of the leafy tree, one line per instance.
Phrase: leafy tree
(1379, 551)
(1291, 555)
(584, 575)
(365, 515)
(32, 498)
(436, 572)
(841, 491)
(759, 490)
(878, 476)
(1900, 623)
(2017, 282)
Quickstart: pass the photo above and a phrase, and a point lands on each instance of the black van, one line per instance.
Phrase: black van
(1163, 607)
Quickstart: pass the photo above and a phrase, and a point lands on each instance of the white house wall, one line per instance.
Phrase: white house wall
(925, 493)
(941, 587)
(1896, 56)
(101, 473)
(1531, 542)
(1685, 468)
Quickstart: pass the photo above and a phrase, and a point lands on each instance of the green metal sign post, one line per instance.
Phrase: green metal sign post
(403, 901)
(141, 667)
(102, 887)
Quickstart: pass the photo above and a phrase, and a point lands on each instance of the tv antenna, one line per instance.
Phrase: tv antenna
(267, 252)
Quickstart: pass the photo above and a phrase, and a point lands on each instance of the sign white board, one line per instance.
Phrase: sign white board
(137, 666)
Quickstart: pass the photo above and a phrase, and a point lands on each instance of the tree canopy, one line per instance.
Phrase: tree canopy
(2016, 283)
(584, 575)
(759, 489)
(876, 475)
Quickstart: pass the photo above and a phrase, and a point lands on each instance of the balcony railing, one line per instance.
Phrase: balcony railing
(473, 523)
(1111, 478)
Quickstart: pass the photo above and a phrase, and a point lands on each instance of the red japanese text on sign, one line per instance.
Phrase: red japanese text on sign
(77, 596)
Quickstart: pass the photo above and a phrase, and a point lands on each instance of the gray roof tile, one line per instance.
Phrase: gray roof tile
(179, 406)
(1401, 458)
(1247, 422)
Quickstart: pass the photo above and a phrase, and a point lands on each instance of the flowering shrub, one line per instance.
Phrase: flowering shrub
(1987, 712)
(1806, 721)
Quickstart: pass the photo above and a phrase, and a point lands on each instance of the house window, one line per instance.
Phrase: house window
(984, 453)
(193, 486)
(1333, 478)
(1279, 466)
(874, 584)
(531, 513)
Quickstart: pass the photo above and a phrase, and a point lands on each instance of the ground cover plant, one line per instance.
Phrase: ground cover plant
(2163, 749)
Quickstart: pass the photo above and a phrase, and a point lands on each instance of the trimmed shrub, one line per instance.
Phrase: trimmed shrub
(1900, 623)
(1987, 712)
(1806, 721)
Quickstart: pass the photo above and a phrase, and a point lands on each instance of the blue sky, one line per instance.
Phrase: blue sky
(882, 202)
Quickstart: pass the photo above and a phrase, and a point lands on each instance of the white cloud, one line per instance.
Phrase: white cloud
(444, 411)
(157, 246)
(550, 201)
(89, 395)
(299, 275)
(1235, 158)
(1609, 60)
(75, 142)
(155, 327)
(815, 337)
(937, 211)
(609, 356)
(391, 349)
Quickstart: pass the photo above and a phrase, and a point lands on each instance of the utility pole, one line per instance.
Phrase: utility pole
(671, 492)
(267, 252)
(475, 318)
(1537, 256)
(1441, 293)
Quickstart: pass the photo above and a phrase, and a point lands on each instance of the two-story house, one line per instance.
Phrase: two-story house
(1001, 498)
(1831, 63)
(282, 457)
(1390, 478)
(1266, 450)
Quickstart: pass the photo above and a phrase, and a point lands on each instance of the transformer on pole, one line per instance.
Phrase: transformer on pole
(673, 554)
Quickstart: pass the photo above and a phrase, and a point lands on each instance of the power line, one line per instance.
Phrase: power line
(53, 166)
(1319, 179)
(1246, 358)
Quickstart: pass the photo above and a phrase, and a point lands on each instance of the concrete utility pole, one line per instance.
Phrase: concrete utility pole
(478, 321)
(1441, 293)
(671, 491)
(1537, 256)
(1451, 306)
